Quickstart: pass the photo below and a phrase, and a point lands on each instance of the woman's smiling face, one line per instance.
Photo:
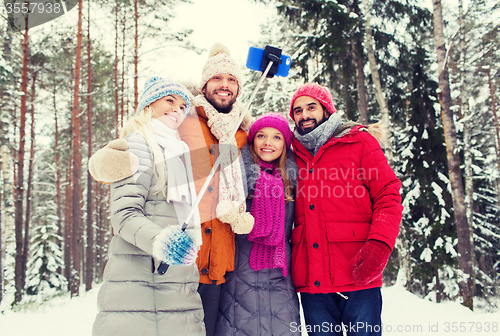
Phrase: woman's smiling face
(268, 144)
(169, 110)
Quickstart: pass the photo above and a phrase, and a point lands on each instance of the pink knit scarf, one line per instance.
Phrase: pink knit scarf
(268, 233)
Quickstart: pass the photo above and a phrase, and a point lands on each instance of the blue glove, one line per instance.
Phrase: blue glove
(174, 247)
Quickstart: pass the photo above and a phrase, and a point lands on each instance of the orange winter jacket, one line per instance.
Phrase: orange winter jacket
(216, 255)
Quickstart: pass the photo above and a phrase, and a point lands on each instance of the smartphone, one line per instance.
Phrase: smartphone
(256, 62)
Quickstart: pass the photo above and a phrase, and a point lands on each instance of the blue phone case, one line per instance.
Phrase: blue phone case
(254, 61)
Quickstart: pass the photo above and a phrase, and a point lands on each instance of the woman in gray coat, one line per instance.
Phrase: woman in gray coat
(147, 209)
(258, 297)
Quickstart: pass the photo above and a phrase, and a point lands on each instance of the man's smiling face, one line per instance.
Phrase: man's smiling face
(221, 91)
(308, 113)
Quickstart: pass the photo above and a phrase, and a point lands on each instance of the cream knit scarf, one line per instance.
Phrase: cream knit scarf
(180, 183)
(231, 208)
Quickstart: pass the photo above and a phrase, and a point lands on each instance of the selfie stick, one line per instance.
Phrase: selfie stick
(273, 58)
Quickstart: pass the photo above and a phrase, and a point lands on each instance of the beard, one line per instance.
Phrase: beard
(317, 123)
(224, 106)
(303, 130)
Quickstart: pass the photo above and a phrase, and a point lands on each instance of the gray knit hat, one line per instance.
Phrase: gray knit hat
(157, 87)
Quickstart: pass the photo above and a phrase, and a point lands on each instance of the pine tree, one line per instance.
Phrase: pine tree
(425, 188)
(44, 280)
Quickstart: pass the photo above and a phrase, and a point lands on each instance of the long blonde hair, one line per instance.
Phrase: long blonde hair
(141, 123)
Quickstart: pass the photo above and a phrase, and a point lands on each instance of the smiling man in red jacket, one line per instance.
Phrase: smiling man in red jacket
(347, 215)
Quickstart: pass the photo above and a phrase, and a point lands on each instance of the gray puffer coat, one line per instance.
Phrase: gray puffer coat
(259, 302)
(134, 299)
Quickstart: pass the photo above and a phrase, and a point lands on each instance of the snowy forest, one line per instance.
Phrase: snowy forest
(427, 70)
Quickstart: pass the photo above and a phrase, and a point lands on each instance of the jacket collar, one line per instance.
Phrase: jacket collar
(343, 134)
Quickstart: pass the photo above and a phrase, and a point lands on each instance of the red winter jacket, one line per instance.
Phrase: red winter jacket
(346, 195)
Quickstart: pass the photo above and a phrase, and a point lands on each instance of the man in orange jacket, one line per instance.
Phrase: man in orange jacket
(216, 113)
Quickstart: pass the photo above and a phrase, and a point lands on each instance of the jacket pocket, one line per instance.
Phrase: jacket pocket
(299, 257)
(344, 242)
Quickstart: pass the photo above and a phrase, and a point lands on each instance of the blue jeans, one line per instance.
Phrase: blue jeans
(330, 314)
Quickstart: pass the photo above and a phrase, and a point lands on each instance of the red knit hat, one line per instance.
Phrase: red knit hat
(317, 92)
(273, 120)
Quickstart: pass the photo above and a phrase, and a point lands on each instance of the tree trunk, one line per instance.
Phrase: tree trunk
(96, 216)
(115, 70)
(495, 117)
(58, 175)
(345, 77)
(122, 96)
(76, 195)
(136, 55)
(455, 174)
(404, 277)
(5, 115)
(467, 114)
(360, 83)
(89, 260)
(68, 228)
(1, 209)
(19, 177)
(357, 51)
(376, 81)
(29, 187)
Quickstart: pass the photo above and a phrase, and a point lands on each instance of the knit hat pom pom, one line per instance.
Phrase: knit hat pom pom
(150, 81)
(218, 48)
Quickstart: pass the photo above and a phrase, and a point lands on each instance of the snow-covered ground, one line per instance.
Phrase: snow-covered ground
(403, 314)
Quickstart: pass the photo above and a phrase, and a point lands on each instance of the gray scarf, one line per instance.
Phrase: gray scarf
(320, 135)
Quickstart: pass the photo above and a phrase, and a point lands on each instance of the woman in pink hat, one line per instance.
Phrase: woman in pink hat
(258, 297)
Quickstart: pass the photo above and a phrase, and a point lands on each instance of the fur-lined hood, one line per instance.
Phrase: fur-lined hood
(251, 170)
(195, 92)
(377, 130)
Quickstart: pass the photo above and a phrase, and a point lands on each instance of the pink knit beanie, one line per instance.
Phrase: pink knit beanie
(220, 62)
(317, 92)
(273, 120)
